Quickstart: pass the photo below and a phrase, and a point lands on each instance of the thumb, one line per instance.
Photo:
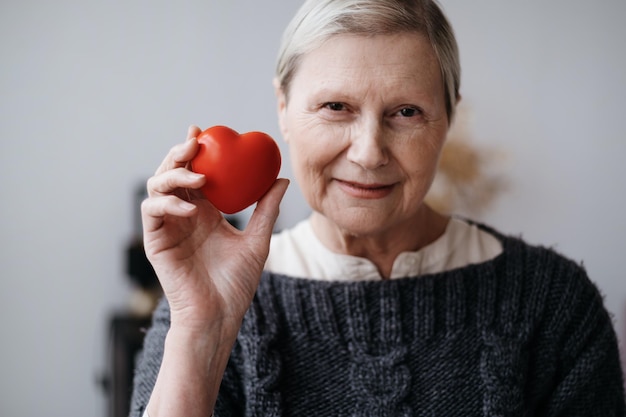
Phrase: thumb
(264, 217)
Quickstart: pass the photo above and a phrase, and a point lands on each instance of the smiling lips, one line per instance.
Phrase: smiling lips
(365, 191)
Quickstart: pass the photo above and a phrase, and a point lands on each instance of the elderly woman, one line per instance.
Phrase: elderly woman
(376, 304)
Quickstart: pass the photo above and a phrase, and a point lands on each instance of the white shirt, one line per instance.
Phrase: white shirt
(298, 252)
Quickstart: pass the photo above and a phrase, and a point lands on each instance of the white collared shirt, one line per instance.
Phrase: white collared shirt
(298, 252)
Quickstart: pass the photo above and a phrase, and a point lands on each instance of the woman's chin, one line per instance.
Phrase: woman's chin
(359, 220)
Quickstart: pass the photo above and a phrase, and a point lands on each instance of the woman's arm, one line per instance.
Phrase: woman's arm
(209, 272)
(190, 373)
(587, 370)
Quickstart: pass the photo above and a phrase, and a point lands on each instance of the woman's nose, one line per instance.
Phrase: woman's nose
(367, 146)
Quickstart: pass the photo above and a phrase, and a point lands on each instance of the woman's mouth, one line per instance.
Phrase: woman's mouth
(365, 191)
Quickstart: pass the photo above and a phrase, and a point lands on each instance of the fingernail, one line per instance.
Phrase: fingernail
(190, 129)
(184, 205)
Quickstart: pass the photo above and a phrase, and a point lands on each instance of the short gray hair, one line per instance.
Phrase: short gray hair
(318, 20)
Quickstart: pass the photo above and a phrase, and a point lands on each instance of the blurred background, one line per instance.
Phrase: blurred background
(93, 94)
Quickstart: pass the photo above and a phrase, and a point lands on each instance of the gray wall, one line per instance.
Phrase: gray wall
(93, 94)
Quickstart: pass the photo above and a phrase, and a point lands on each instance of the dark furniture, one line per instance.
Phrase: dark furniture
(126, 334)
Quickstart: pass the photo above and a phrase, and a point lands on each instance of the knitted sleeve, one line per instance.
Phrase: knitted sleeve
(149, 359)
(586, 369)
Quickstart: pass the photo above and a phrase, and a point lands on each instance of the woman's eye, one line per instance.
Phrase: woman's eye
(334, 106)
(409, 112)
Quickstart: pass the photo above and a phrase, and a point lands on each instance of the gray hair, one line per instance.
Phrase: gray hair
(318, 20)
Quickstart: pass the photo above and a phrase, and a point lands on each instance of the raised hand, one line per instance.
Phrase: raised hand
(208, 269)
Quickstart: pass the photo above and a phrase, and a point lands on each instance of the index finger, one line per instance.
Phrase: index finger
(179, 155)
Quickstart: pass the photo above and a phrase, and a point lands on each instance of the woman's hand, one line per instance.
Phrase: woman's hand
(209, 272)
(208, 269)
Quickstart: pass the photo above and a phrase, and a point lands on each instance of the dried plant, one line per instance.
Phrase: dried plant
(469, 176)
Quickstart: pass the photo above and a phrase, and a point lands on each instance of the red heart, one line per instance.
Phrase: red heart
(239, 169)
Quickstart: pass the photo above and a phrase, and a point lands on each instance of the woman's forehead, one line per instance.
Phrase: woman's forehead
(390, 59)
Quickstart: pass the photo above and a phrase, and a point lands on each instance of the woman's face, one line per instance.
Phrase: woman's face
(365, 122)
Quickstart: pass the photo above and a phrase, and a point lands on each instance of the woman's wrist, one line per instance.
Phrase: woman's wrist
(191, 372)
(205, 346)
(215, 329)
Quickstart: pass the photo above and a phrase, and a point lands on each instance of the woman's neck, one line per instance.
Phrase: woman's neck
(383, 247)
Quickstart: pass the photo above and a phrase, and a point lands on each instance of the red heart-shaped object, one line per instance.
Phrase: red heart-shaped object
(239, 169)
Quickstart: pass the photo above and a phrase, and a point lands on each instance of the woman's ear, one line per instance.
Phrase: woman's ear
(281, 100)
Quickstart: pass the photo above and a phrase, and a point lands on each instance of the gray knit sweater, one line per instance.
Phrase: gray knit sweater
(524, 334)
